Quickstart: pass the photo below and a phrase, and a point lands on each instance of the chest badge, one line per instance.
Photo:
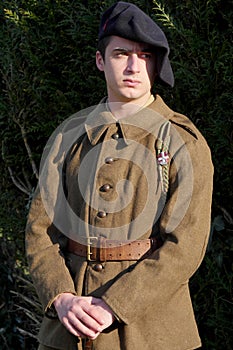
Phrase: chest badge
(163, 158)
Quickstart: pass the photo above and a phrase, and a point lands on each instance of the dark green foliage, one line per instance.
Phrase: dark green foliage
(47, 69)
(202, 59)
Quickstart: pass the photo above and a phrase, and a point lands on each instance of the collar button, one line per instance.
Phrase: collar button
(109, 160)
(115, 136)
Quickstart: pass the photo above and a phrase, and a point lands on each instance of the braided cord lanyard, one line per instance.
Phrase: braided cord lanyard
(162, 154)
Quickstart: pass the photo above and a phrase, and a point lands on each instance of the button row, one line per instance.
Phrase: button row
(106, 187)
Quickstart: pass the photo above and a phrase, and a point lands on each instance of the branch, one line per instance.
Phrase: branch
(163, 16)
(29, 152)
(227, 216)
(18, 183)
(33, 164)
(29, 186)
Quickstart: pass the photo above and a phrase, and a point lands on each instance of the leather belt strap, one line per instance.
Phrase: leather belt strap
(101, 249)
(88, 344)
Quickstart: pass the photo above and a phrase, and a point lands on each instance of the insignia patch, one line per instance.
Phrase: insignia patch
(163, 158)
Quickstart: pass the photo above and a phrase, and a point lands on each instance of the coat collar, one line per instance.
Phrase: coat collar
(134, 127)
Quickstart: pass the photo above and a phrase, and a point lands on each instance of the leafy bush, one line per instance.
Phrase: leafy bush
(47, 67)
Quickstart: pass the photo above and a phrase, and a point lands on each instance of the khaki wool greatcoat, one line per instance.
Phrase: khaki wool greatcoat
(150, 297)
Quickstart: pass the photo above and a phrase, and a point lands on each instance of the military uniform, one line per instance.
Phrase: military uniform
(118, 188)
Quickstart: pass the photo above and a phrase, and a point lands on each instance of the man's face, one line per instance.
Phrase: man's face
(130, 70)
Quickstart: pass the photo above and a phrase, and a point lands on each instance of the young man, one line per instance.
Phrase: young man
(121, 216)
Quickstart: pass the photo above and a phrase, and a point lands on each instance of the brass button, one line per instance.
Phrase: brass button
(101, 214)
(109, 160)
(115, 136)
(105, 188)
(98, 267)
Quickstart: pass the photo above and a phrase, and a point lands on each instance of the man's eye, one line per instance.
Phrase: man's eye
(145, 55)
(121, 53)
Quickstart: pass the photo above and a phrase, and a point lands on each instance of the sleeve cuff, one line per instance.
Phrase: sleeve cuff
(50, 310)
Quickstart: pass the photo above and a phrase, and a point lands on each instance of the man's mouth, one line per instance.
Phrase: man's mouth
(131, 82)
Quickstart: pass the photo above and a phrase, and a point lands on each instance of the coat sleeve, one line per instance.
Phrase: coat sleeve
(43, 240)
(185, 226)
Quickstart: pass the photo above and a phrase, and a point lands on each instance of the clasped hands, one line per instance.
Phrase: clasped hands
(83, 316)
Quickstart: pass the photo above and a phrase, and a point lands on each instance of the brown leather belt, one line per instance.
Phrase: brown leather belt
(101, 249)
(88, 344)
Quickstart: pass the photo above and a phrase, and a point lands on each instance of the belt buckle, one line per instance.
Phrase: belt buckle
(89, 243)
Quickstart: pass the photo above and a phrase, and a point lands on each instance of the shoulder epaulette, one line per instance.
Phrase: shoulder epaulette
(185, 127)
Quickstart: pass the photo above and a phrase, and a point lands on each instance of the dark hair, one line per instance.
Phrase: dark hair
(102, 44)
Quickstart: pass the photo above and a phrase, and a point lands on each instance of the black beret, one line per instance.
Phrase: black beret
(126, 20)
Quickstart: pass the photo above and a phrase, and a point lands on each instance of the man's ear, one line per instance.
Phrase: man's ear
(99, 61)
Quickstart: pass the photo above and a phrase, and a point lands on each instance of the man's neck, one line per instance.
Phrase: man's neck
(123, 109)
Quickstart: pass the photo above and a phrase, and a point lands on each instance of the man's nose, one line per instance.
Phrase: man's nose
(133, 64)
